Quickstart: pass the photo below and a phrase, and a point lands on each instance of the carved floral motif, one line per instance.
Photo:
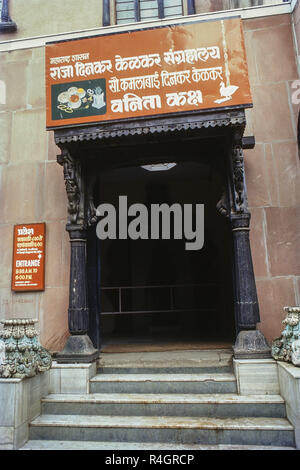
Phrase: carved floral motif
(21, 353)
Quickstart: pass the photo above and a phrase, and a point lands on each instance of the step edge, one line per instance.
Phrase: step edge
(115, 398)
(219, 424)
(153, 445)
(143, 378)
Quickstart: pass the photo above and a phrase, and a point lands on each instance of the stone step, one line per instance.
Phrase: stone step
(164, 370)
(209, 359)
(163, 383)
(92, 445)
(176, 430)
(213, 405)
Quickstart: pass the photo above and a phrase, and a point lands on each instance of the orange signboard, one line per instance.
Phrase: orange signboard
(28, 273)
(148, 72)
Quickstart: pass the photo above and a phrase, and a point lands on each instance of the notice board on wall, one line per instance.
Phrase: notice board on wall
(148, 72)
(28, 270)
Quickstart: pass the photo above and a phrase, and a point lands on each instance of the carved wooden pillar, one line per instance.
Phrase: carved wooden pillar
(250, 342)
(79, 347)
(246, 302)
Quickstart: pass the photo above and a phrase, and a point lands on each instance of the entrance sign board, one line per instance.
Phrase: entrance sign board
(189, 67)
(28, 270)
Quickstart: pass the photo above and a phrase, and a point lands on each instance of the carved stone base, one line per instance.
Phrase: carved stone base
(251, 345)
(21, 354)
(78, 348)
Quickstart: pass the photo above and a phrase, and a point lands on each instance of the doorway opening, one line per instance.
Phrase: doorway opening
(152, 292)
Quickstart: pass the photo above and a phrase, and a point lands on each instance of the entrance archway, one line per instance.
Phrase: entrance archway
(155, 291)
(214, 140)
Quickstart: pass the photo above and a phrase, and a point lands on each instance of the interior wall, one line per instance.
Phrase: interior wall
(166, 262)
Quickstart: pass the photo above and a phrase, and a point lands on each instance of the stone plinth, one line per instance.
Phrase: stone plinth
(71, 378)
(20, 403)
(256, 376)
(20, 398)
(289, 381)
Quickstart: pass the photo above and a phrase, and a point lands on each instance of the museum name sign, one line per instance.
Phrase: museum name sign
(194, 66)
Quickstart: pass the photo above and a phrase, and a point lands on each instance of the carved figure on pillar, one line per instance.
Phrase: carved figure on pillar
(74, 187)
(239, 180)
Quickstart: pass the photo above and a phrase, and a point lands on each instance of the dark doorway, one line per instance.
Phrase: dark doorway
(155, 290)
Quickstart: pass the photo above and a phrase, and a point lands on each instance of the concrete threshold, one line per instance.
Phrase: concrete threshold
(169, 359)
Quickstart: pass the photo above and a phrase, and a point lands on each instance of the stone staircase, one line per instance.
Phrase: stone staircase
(162, 404)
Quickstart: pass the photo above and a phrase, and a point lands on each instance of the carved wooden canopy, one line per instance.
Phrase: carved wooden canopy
(81, 158)
(139, 130)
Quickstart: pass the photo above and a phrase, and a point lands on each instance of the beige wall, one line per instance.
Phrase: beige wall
(296, 28)
(32, 187)
(32, 190)
(43, 17)
(204, 6)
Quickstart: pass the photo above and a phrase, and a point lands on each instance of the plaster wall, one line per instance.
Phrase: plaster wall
(204, 6)
(32, 187)
(37, 17)
(296, 28)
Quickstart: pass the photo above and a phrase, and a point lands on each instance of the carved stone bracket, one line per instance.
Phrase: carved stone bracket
(92, 217)
(223, 206)
(22, 355)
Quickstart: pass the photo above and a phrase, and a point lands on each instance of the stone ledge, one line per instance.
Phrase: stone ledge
(290, 368)
(256, 376)
(71, 378)
(20, 398)
(289, 381)
(56, 365)
(20, 402)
